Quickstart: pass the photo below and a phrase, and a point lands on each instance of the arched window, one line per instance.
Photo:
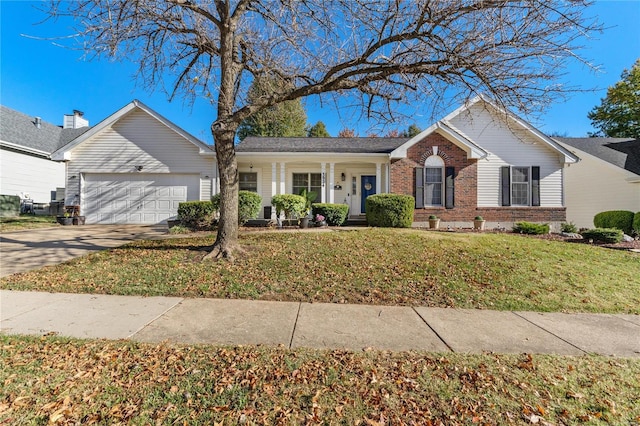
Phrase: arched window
(433, 181)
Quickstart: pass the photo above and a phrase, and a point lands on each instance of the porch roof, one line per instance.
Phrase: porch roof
(324, 145)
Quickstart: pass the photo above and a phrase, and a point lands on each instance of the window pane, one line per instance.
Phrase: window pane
(433, 174)
(433, 194)
(249, 182)
(300, 182)
(520, 174)
(316, 185)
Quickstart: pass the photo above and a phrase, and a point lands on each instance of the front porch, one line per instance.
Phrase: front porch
(340, 182)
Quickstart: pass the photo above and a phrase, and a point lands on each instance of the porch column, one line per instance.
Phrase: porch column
(323, 192)
(282, 179)
(331, 180)
(274, 180)
(387, 178)
(378, 178)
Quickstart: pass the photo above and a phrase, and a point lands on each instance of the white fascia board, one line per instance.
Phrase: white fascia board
(401, 151)
(25, 149)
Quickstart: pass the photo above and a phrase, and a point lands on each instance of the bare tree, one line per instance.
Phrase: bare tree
(380, 52)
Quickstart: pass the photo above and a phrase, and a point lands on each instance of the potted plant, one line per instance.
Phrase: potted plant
(478, 223)
(434, 222)
(320, 220)
(65, 219)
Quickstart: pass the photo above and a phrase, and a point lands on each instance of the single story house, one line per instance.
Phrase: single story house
(480, 160)
(606, 178)
(26, 144)
(136, 167)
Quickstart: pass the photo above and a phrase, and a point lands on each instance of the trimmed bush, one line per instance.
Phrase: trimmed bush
(569, 228)
(249, 204)
(618, 219)
(196, 214)
(531, 228)
(604, 235)
(291, 204)
(334, 214)
(9, 205)
(636, 223)
(390, 210)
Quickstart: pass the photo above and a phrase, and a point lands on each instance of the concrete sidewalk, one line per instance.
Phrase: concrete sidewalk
(316, 325)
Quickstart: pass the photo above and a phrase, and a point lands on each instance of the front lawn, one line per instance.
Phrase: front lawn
(368, 266)
(22, 222)
(61, 381)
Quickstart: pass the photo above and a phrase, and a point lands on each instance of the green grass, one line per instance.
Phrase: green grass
(369, 266)
(62, 381)
(19, 223)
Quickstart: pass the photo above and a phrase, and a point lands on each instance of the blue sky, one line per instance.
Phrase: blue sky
(41, 79)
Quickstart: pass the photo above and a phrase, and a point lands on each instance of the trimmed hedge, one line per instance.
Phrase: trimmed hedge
(335, 214)
(636, 223)
(618, 219)
(390, 210)
(531, 228)
(290, 204)
(9, 205)
(249, 204)
(569, 227)
(605, 235)
(196, 214)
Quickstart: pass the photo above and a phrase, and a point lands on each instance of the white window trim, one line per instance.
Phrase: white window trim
(434, 162)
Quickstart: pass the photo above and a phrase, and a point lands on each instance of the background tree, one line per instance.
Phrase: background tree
(428, 53)
(618, 115)
(412, 130)
(318, 130)
(347, 133)
(286, 119)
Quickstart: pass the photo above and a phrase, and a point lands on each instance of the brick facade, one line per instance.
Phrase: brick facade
(403, 181)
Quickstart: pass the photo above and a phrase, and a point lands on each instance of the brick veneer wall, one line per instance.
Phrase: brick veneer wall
(403, 181)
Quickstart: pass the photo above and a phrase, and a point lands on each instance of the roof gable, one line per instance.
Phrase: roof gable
(64, 153)
(473, 150)
(620, 152)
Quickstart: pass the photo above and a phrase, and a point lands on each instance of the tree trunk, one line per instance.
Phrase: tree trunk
(227, 240)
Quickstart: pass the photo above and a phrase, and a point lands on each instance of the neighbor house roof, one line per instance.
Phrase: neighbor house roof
(19, 131)
(328, 145)
(621, 152)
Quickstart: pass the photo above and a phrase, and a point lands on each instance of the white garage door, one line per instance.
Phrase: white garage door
(136, 198)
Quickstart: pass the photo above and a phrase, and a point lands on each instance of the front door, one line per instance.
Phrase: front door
(368, 187)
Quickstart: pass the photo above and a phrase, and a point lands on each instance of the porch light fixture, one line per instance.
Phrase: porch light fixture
(343, 177)
(251, 166)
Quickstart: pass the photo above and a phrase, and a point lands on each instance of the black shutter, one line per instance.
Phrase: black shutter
(419, 187)
(449, 173)
(506, 185)
(535, 186)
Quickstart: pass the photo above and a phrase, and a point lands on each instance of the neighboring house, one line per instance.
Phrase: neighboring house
(26, 143)
(136, 166)
(479, 160)
(606, 178)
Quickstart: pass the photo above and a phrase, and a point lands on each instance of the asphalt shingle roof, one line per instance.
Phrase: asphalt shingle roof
(337, 145)
(621, 152)
(20, 129)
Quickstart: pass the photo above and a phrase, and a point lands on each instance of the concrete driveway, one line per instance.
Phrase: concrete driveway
(31, 249)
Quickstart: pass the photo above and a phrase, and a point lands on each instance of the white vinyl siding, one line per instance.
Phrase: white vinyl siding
(27, 174)
(509, 145)
(138, 139)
